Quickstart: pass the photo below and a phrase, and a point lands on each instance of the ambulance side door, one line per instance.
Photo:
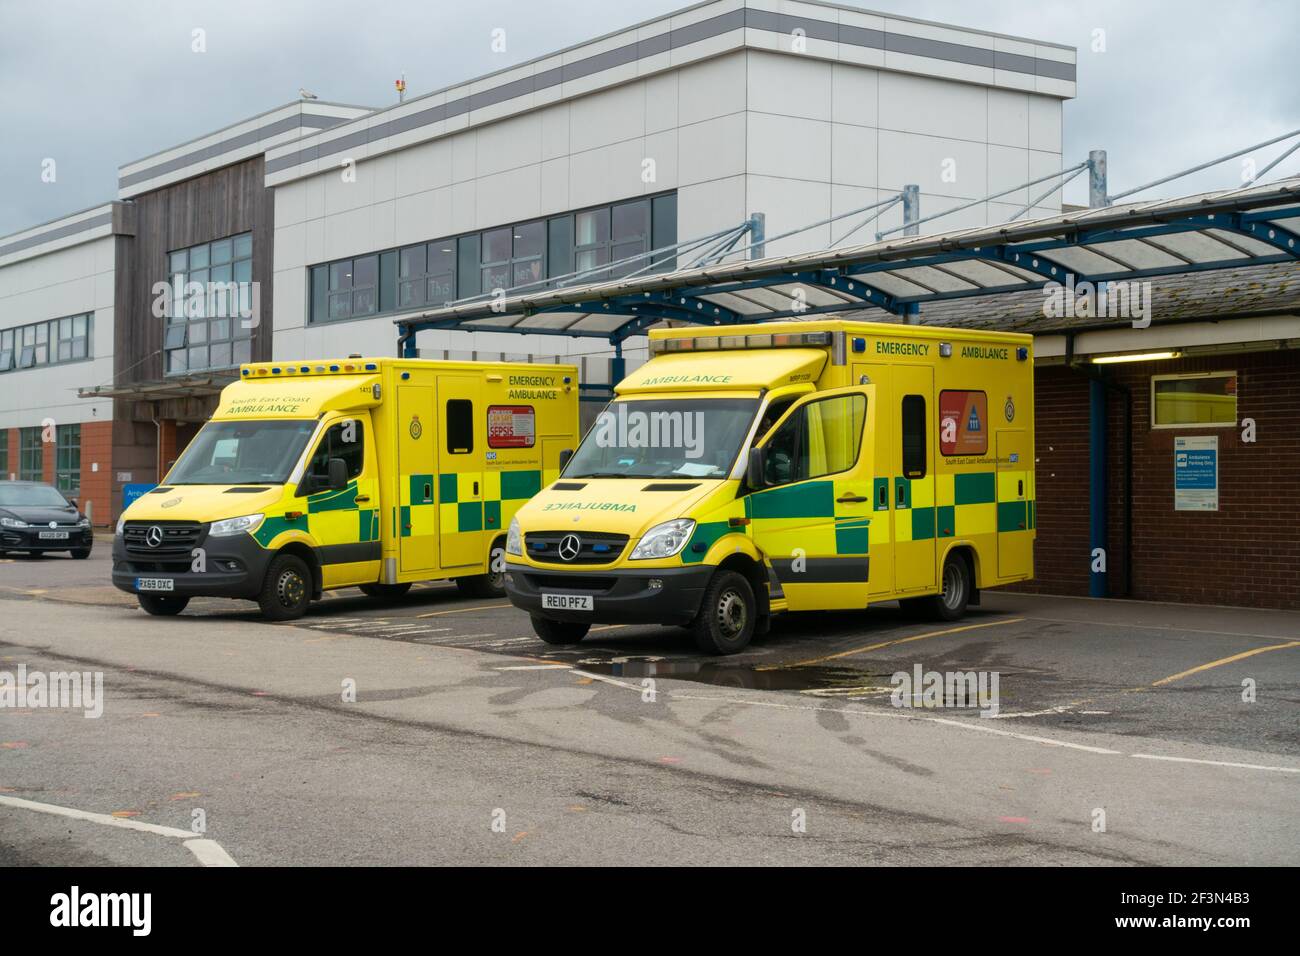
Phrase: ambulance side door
(345, 522)
(811, 516)
(462, 447)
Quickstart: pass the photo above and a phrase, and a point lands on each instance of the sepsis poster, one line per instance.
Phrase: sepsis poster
(963, 423)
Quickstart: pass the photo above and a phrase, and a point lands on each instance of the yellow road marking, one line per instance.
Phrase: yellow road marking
(458, 610)
(876, 647)
(1223, 660)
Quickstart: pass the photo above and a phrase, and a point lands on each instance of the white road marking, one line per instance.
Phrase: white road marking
(1049, 741)
(208, 852)
(1218, 763)
(607, 680)
(536, 667)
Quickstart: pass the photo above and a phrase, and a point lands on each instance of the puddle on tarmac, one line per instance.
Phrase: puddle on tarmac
(814, 680)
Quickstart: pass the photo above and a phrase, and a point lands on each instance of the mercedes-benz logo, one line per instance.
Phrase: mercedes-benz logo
(153, 537)
(569, 547)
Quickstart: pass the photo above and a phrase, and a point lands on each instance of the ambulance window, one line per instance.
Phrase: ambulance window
(914, 436)
(821, 438)
(344, 440)
(460, 426)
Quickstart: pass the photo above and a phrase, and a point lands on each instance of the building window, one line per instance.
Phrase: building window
(47, 343)
(31, 454)
(1197, 398)
(211, 298)
(67, 459)
(431, 274)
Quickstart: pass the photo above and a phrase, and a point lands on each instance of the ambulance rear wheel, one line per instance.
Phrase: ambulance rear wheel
(492, 584)
(162, 605)
(385, 592)
(727, 615)
(559, 632)
(287, 589)
(950, 603)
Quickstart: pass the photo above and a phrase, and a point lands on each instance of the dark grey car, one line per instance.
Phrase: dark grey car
(36, 518)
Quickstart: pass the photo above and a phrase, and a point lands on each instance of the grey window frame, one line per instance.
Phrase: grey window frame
(557, 255)
(46, 338)
(196, 316)
(28, 448)
(67, 446)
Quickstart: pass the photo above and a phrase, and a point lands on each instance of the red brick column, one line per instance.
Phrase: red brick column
(97, 485)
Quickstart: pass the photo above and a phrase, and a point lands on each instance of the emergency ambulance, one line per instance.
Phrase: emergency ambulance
(361, 472)
(794, 466)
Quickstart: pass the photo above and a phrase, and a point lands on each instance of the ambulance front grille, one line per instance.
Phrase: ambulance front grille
(175, 540)
(594, 547)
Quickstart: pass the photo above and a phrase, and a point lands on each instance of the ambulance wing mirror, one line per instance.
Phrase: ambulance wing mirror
(756, 468)
(338, 474)
(565, 455)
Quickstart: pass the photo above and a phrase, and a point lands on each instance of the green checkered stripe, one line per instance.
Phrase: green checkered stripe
(516, 487)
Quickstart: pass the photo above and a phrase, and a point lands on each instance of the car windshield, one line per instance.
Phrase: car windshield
(30, 496)
(664, 437)
(242, 453)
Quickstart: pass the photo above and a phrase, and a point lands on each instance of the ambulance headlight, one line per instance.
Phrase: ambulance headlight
(514, 540)
(228, 526)
(664, 540)
(121, 526)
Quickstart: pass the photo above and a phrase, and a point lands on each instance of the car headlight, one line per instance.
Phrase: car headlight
(14, 523)
(84, 522)
(664, 540)
(121, 526)
(514, 540)
(228, 526)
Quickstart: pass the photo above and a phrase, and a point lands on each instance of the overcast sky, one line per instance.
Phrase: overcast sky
(94, 84)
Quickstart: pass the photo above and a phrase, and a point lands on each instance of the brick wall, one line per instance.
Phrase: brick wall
(1247, 553)
(97, 486)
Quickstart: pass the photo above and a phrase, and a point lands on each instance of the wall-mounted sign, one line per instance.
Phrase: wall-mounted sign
(132, 492)
(1196, 473)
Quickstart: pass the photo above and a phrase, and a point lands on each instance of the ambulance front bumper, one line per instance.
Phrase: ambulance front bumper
(623, 596)
(234, 567)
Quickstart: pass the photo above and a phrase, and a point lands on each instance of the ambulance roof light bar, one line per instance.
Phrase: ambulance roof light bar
(767, 340)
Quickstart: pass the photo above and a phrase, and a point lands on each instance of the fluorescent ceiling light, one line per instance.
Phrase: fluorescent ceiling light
(1134, 357)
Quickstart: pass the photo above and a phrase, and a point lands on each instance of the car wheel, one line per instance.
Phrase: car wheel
(950, 603)
(81, 553)
(727, 615)
(559, 632)
(287, 589)
(385, 592)
(162, 605)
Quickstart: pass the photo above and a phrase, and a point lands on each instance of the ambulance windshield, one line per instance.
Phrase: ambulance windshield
(242, 453)
(664, 438)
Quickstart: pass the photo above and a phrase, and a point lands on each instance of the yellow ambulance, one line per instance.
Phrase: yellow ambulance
(821, 465)
(361, 472)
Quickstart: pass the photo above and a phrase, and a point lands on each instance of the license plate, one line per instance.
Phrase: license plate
(154, 584)
(53, 536)
(568, 602)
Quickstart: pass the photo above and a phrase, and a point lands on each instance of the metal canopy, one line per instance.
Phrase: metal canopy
(1251, 226)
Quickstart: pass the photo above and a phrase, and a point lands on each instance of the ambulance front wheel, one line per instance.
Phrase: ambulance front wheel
(727, 615)
(286, 592)
(560, 632)
(162, 605)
